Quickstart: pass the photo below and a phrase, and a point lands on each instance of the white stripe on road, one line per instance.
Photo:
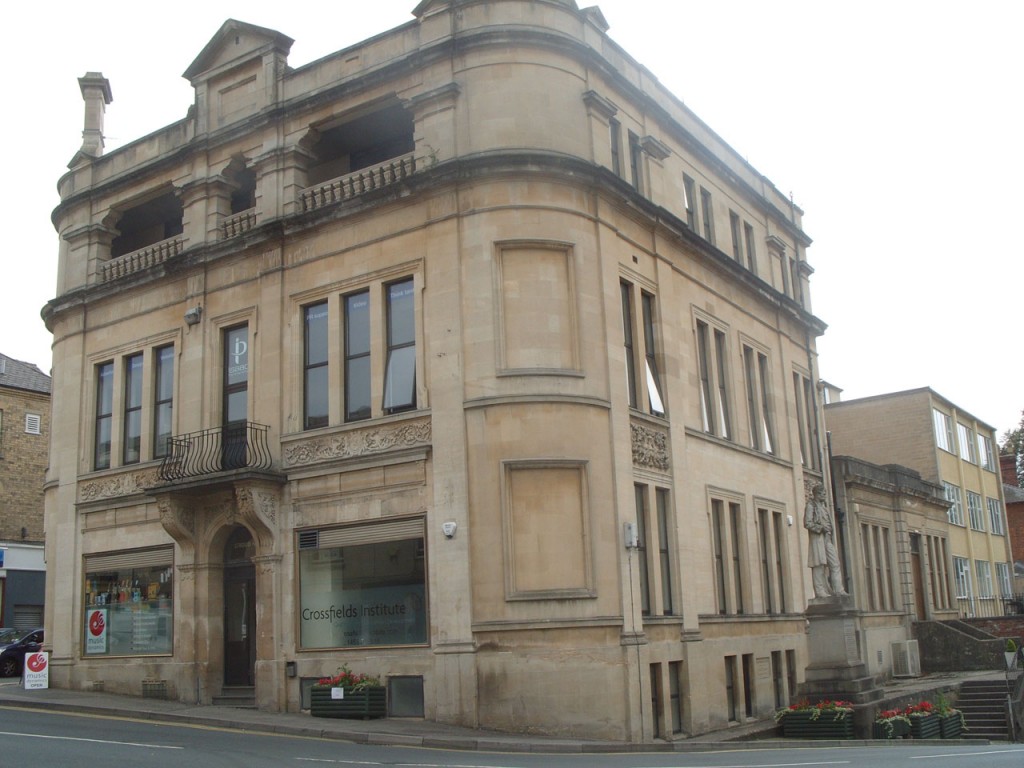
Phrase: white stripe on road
(474, 765)
(967, 754)
(92, 741)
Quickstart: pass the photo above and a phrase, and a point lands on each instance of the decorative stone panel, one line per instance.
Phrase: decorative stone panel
(650, 447)
(124, 484)
(360, 442)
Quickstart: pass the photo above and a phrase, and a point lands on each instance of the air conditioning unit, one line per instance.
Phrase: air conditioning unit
(906, 659)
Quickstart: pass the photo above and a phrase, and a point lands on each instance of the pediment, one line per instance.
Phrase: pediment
(235, 43)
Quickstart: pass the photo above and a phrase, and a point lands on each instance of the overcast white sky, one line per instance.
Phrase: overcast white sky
(896, 126)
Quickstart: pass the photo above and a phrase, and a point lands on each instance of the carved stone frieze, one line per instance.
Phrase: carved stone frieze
(650, 447)
(123, 484)
(363, 442)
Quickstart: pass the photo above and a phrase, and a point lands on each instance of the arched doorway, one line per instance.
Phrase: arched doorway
(239, 609)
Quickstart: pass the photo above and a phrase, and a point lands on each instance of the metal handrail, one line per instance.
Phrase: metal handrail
(243, 445)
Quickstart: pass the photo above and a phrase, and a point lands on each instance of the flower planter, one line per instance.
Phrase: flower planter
(800, 725)
(363, 704)
(896, 729)
(925, 726)
(951, 726)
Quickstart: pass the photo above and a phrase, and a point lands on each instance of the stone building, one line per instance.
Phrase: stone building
(467, 356)
(948, 446)
(24, 440)
(894, 536)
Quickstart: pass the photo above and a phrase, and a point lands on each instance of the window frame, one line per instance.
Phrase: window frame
(996, 517)
(944, 436)
(163, 401)
(690, 202)
(956, 511)
(396, 367)
(707, 210)
(965, 441)
(104, 415)
(316, 364)
(133, 366)
(643, 380)
(711, 341)
(975, 511)
(760, 416)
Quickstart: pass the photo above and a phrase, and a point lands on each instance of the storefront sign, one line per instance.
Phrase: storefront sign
(37, 670)
(96, 630)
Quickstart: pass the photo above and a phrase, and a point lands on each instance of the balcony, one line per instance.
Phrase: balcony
(238, 223)
(142, 259)
(360, 182)
(221, 449)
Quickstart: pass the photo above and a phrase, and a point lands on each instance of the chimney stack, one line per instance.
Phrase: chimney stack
(96, 93)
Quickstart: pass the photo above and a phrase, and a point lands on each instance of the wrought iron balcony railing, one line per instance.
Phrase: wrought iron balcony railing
(233, 446)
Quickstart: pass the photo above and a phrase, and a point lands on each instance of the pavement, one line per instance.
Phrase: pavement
(417, 732)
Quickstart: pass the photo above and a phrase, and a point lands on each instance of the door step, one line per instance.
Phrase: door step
(237, 696)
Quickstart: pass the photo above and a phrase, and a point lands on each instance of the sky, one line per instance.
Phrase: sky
(896, 126)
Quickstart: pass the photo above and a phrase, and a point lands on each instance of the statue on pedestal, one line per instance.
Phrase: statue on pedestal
(822, 556)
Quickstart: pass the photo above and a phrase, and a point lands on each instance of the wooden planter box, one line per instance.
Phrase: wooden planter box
(900, 730)
(950, 726)
(925, 727)
(359, 705)
(799, 725)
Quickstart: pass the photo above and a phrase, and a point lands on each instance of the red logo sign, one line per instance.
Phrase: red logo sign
(96, 624)
(36, 662)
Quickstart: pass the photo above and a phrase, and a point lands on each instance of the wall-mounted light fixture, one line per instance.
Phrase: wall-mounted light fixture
(192, 316)
(290, 669)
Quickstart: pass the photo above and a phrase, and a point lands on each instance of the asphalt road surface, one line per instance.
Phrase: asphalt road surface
(45, 739)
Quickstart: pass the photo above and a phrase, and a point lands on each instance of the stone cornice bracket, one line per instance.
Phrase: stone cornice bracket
(655, 148)
(180, 523)
(598, 104)
(257, 509)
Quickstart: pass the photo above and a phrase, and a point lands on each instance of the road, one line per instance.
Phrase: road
(45, 739)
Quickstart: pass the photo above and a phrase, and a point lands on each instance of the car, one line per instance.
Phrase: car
(10, 634)
(12, 653)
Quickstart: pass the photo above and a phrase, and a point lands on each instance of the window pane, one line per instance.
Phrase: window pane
(400, 379)
(316, 334)
(401, 314)
(357, 389)
(129, 611)
(236, 350)
(316, 397)
(363, 595)
(357, 324)
(237, 406)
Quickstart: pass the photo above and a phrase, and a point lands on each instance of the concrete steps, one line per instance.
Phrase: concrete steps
(983, 703)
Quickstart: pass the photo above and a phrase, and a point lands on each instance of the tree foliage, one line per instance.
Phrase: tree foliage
(1013, 445)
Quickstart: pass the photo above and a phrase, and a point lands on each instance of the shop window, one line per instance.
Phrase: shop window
(129, 608)
(363, 586)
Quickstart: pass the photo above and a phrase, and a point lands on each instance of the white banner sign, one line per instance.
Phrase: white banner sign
(37, 670)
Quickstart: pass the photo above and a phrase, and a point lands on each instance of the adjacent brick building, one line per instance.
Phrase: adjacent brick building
(24, 450)
(1014, 496)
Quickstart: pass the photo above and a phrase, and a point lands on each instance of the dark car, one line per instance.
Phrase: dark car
(9, 635)
(12, 654)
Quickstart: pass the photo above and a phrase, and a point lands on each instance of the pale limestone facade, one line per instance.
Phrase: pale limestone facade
(953, 449)
(611, 336)
(895, 532)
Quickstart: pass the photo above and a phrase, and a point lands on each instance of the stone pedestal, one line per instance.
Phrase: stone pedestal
(836, 669)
